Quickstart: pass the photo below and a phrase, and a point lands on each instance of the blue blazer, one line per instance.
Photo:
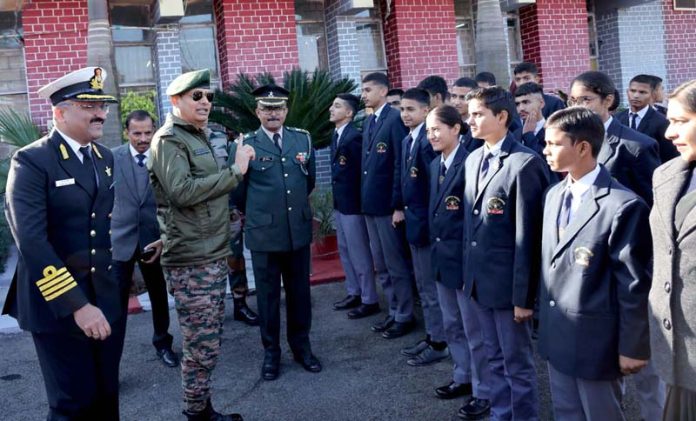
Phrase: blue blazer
(345, 171)
(415, 185)
(502, 226)
(380, 186)
(446, 221)
(595, 282)
(469, 142)
(631, 158)
(535, 142)
(61, 228)
(551, 105)
(654, 125)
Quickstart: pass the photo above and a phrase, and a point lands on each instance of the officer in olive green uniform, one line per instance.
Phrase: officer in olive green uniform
(278, 228)
(192, 197)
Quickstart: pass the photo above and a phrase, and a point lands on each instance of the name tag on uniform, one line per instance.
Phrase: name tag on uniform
(201, 151)
(266, 159)
(66, 182)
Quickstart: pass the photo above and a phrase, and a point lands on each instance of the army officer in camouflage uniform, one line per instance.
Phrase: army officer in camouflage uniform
(278, 228)
(192, 197)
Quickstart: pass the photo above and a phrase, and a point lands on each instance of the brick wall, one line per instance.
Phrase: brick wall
(420, 41)
(255, 37)
(609, 48)
(680, 44)
(55, 43)
(342, 40)
(168, 65)
(555, 37)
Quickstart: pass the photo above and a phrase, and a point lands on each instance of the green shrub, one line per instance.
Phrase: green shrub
(133, 101)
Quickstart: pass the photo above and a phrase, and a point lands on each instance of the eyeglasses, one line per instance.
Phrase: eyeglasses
(198, 95)
(582, 100)
(92, 108)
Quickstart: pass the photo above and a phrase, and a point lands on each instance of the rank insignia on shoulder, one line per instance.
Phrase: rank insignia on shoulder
(342, 160)
(452, 203)
(381, 147)
(96, 151)
(63, 152)
(583, 255)
(413, 172)
(495, 206)
(55, 282)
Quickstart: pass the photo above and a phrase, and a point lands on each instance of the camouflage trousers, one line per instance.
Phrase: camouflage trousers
(199, 293)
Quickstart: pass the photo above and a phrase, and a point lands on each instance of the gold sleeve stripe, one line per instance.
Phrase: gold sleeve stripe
(62, 291)
(55, 282)
(56, 287)
(50, 272)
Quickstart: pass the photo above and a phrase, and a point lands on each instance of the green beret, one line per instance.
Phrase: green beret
(188, 81)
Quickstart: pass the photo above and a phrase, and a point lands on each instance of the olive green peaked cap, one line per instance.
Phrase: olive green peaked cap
(188, 81)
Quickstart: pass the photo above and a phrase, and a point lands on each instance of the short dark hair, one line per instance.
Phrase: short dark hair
(686, 95)
(416, 94)
(138, 115)
(528, 89)
(526, 67)
(352, 101)
(466, 82)
(495, 99)
(657, 79)
(486, 77)
(395, 91)
(616, 102)
(646, 79)
(377, 78)
(447, 114)
(597, 82)
(435, 85)
(579, 123)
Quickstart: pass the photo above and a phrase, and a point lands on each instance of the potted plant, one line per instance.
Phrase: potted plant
(324, 244)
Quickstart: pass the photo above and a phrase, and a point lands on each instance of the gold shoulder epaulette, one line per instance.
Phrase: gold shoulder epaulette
(64, 152)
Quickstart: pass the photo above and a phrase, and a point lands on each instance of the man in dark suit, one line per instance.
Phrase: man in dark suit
(135, 234)
(353, 241)
(381, 204)
(502, 233)
(416, 156)
(528, 72)
(630, 156)
(279, 234)
(445, 217)
(596, 274)
(58, 206)
(529, 101)
(641, 116)
(458, 92)
(436, 86)
(658, 96)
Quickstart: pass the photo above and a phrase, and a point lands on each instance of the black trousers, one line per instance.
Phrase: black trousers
(156, 289)
(294, 268)
(81, 374)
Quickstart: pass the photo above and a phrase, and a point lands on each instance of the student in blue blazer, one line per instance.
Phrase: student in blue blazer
(353, 242)
(502, 235)
(462, 329)
(630, 156)
(380, 198)
(416, 156)
(596, 275)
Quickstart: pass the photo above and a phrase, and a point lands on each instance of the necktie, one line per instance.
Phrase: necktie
(443, 171)
(334, 138)
(485, 164)
(564, 216)
(141, 159)
(88, 164)
(634, 116)
(372, 123)
(409, 144)
(276, 140)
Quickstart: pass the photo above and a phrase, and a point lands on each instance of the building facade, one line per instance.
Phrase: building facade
(155, 40)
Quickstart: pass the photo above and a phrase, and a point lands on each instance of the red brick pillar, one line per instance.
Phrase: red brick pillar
(255, 37)
(420, 41)
(555, 37)
(55, 43)
(680, 44)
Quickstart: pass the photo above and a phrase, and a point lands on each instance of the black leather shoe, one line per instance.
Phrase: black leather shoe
(475, 409)
(309, 362)
(271, 367)
(412, 351)
(399, 329)
(243, 313)
(383, 325)
(347, 303)
(453, 390)
(168, 357)
(364, 310)
(209, 414)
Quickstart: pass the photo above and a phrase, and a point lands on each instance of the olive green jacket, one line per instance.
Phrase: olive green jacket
(192, 194)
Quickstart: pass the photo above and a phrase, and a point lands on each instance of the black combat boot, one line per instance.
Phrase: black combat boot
(209, 414)
(243, 313)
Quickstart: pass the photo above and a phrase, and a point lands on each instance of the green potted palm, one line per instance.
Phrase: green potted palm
(324, 242)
